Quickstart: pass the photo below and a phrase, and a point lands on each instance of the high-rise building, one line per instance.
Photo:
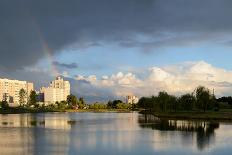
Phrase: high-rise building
(9, 90)
(58, 91)
(61, 84)
(131, 99)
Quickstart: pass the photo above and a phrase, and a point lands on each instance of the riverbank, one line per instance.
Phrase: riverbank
(98, 110)
(20, 110)
(224, 114)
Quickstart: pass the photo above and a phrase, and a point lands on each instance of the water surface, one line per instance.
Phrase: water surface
(110, 133)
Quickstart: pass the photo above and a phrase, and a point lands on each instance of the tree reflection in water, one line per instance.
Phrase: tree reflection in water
(204, 130)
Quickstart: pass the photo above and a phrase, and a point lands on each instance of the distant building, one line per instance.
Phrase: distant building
(9, 90)
(131, 99)
(59, 83)
(56, 92)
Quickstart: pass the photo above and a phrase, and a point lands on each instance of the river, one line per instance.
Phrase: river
(110, 134)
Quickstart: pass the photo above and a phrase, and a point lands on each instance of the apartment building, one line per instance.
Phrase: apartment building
(9, 90)
(60, 83)
(131, 99)
(58, 91)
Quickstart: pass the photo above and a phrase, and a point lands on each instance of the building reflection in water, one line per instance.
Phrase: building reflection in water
(204, 131)
(104, 133)
(29, 134)
(60, 134)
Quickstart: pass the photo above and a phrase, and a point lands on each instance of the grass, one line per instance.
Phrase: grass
(98, 110)
(223, 114)
(19, 110)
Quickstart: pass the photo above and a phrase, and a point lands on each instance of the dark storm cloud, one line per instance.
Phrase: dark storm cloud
(28, 27)
(65, 65)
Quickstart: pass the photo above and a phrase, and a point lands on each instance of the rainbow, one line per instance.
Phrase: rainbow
(50, 59)
(47, 51)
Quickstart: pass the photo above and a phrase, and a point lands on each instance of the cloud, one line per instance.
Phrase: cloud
(30, 29)
(175, 79)
(65, 65)
(36, 75)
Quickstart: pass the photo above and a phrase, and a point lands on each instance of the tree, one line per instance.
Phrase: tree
(72, 100)
(163, 99)
(123, 106)
(81, 103)
(98, 106)
(203, 97)
(81, 100)
(4, 104)
(227, 99)
(172, 103)
(110, 104)
(186, 102)
(115, 102)
(32, 98)
(61, 105)
(22, 97)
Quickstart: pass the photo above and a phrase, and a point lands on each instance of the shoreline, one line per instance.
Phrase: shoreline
(34, 111)
(224, 115)
(98, 110)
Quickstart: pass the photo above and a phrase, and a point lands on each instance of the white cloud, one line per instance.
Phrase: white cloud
(175, 79)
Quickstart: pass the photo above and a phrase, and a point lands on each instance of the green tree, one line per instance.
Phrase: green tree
(32, 98)
(72, 100)
(4, 104)
(98, 106)
(110, 104)
(203, 97)
(115, 102)
(81, 100)
(148, 103)
(163, 100)
(22, 97)
(186, 102)
(123, 106)
(81, 103)
(172, 103)
(61, 105)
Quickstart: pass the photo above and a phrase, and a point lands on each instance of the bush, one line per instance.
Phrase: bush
(98, 106)
(62, 105)
(4, 105)
(123, 106)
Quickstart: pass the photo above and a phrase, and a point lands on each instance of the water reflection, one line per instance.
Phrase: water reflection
(205, 134)
(31, 120)
(66, 133)
(109, 133)
(29, 134)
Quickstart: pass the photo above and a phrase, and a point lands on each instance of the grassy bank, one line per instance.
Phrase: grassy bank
(98, 110)
(224, 114)
(19, 110)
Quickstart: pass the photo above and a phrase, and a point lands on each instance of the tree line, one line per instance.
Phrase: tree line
(115, 104)
(200, 99)
(24, 100)
(72, 102)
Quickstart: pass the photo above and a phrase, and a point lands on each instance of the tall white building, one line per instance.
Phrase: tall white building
(9, 90)
(56, 92)
(59, 83)
(131, 99)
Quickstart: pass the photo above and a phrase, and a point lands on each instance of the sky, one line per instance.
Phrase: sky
(108, 49)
